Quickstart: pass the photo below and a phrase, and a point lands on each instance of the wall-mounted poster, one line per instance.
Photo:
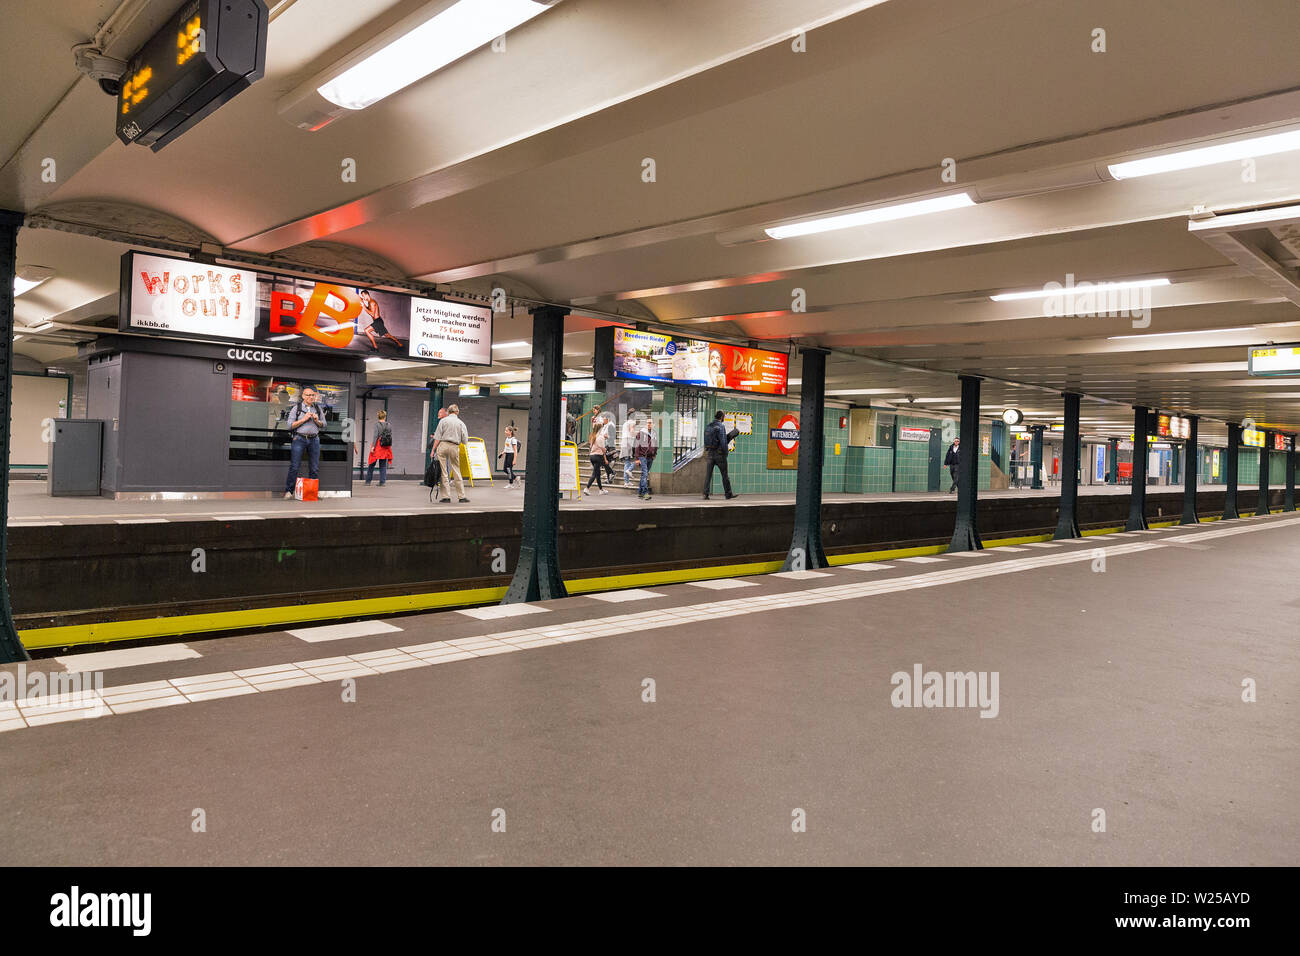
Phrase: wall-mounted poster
(1099, 463)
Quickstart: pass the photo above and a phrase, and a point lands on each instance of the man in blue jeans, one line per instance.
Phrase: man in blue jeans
(643, 449)
(306, 419)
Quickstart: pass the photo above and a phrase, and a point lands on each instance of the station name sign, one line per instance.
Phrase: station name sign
(180, 298)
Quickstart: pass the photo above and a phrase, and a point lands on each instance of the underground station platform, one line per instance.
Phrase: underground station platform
(87, 571)
(710, 708)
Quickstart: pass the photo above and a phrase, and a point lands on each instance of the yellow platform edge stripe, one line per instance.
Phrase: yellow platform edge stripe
(182, 624)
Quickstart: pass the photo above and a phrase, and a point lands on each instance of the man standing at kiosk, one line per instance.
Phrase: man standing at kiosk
(306, 418)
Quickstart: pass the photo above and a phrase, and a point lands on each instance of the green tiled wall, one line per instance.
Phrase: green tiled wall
(748, 463)
(913, 459)
(868, 469)
(1247, 467)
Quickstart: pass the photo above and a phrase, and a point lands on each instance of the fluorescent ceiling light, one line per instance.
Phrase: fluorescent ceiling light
(860, 391)
(22, 285)
(1160, 335)
(1084, 287)
(1207, 155)
(867, 217)
(507, 345)
(453, 32)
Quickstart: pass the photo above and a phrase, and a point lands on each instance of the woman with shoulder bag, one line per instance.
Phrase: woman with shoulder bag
(381, 452)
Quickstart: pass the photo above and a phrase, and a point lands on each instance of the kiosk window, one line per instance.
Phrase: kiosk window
(259, 418)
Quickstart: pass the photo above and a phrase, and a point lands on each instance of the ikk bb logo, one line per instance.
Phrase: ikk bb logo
(304, 315)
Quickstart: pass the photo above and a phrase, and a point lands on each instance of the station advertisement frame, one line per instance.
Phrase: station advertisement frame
(640, 356)
(239, 304)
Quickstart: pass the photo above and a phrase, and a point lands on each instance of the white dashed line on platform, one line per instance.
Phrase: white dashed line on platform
(335, 632)
(502, 610)
(800, 575)
(922, 560)
(722, 584)
(128, 657)
(867, 566)
(631, 594)
(140, 520)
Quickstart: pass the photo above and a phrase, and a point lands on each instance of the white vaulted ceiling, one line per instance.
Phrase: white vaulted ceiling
(523, 169)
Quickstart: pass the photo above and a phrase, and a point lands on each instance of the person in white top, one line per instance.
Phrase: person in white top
(511, 449)
(599, 452)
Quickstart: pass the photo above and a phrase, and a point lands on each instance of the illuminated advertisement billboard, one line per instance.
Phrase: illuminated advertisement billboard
(182, 298)
(643, 356)
(654, 357)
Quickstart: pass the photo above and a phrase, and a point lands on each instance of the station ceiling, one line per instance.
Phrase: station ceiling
(524, 169)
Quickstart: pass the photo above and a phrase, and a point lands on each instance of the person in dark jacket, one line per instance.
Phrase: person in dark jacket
(643, 450)
(716, 439)
(952, 460)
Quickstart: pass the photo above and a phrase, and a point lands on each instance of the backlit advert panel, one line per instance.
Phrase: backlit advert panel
(653, 357)
(178, 297)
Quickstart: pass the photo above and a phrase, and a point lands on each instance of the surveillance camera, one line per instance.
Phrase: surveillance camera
(911, 399)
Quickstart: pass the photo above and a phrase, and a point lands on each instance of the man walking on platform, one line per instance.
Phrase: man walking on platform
(952, 460)
(716, 439)
(448, 438)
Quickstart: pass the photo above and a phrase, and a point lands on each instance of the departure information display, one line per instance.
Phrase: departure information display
(201, 58)
(1274, 360)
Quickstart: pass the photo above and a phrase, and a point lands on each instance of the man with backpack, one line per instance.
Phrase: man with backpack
(381, 453)
(643, 450)
(716, 439)
(306, 419)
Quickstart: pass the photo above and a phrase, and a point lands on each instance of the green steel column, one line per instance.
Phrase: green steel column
(1112, 468)
(1067, 525)
(965, 534)
(1190, 468)
(1230, 472)
(806, 552)
(11, 648)
(1137, 507)
(1036, 455)
(537, 574)
(1265, 459)
(1288, 500)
